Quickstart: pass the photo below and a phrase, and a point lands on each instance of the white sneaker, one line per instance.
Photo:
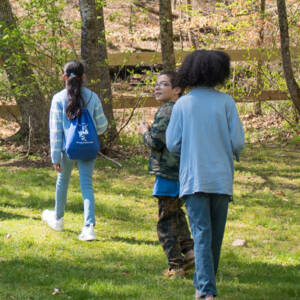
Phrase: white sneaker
(87, 233)
(49, 217)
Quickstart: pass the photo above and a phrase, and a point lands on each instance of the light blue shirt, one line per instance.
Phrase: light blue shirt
(206, 131)
(165, 187)
(59, 123)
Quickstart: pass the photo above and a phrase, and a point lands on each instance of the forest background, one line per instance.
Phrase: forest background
(126, 262)
(53, 33)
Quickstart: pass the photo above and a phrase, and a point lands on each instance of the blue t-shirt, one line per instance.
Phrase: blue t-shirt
(165, 187)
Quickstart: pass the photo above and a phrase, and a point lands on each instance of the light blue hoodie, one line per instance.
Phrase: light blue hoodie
(59, 123)
(206, 132)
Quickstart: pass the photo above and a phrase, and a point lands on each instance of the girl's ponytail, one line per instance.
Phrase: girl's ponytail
(74, 70)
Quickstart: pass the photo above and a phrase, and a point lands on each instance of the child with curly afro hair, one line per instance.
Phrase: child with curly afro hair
(206, 132)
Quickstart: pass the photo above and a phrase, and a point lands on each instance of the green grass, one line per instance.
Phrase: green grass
(126, 262)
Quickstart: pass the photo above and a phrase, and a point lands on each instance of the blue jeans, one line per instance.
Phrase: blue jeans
(207, 214)
(86, 168)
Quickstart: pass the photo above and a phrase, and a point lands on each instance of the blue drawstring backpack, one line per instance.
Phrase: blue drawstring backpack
(82, 142)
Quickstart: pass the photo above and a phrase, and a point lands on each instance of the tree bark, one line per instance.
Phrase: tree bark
(192, 39)
(94, 56)
(291, 83)
(166, 35)
(105, 82)
(89, 44)
(33, 107)
(260, 84)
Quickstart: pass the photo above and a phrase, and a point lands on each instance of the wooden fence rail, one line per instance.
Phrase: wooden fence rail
(125, 101)
(152, 58)
(128, 101)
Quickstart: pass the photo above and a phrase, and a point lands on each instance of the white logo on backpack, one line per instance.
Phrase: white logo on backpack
(83, 132)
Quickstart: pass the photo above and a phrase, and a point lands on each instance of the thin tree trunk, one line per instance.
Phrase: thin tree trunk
(166, 35)
(89, 44)
(94, 56)
(174, 4)
(105, 82)
(191, 36)
(291, 83)
(257, 105)
(180, 29)
(30, 100)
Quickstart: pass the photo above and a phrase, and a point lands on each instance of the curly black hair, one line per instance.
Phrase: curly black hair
(203, 68)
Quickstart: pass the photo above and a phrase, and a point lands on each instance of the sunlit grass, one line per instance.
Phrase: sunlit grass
(126, 262)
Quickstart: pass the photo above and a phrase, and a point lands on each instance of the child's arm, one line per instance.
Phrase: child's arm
(174, 131)
(236, 131)
(56, 130)
(99, 117)
(155, 136)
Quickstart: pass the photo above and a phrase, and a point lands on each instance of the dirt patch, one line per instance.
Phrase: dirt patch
(8, 128)
(24, 163)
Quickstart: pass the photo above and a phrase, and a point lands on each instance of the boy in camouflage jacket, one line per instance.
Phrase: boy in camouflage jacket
(172, 228)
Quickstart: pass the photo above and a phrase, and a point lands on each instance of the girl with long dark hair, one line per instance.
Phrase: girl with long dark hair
(66, 106)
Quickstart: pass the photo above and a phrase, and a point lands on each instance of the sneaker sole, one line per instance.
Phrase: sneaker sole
(87, 239)
(52, 227)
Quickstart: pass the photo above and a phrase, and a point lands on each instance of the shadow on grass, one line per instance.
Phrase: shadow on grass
(26, 164)
(5, 215)
(259, 280)
(117, 276)
(114, 276)
(18, 200)
(102, 209)
(134, 241)
(264, 172)
(106, 210)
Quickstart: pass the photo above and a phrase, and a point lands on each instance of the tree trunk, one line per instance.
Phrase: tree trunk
(192, 39)
(89, 44)
(166, 35)
(94, 56)
(291, 83)
(31, 102)
(105, 82)
(260, 84)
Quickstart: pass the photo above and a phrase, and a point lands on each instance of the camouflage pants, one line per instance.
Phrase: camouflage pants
(173, 231)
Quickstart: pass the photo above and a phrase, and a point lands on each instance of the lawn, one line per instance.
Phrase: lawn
(126, 262)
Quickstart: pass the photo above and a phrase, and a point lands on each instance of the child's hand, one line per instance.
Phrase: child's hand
(57, 167)
(143, 127)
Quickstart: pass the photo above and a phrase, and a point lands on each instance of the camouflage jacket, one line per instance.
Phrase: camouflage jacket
(162, 162)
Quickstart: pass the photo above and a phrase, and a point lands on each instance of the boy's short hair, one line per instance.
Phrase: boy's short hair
(173, 79)
(204, 68)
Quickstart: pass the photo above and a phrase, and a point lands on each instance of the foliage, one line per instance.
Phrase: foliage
(126, 262)
(51, 33)
(275, 125)
(48, 40)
